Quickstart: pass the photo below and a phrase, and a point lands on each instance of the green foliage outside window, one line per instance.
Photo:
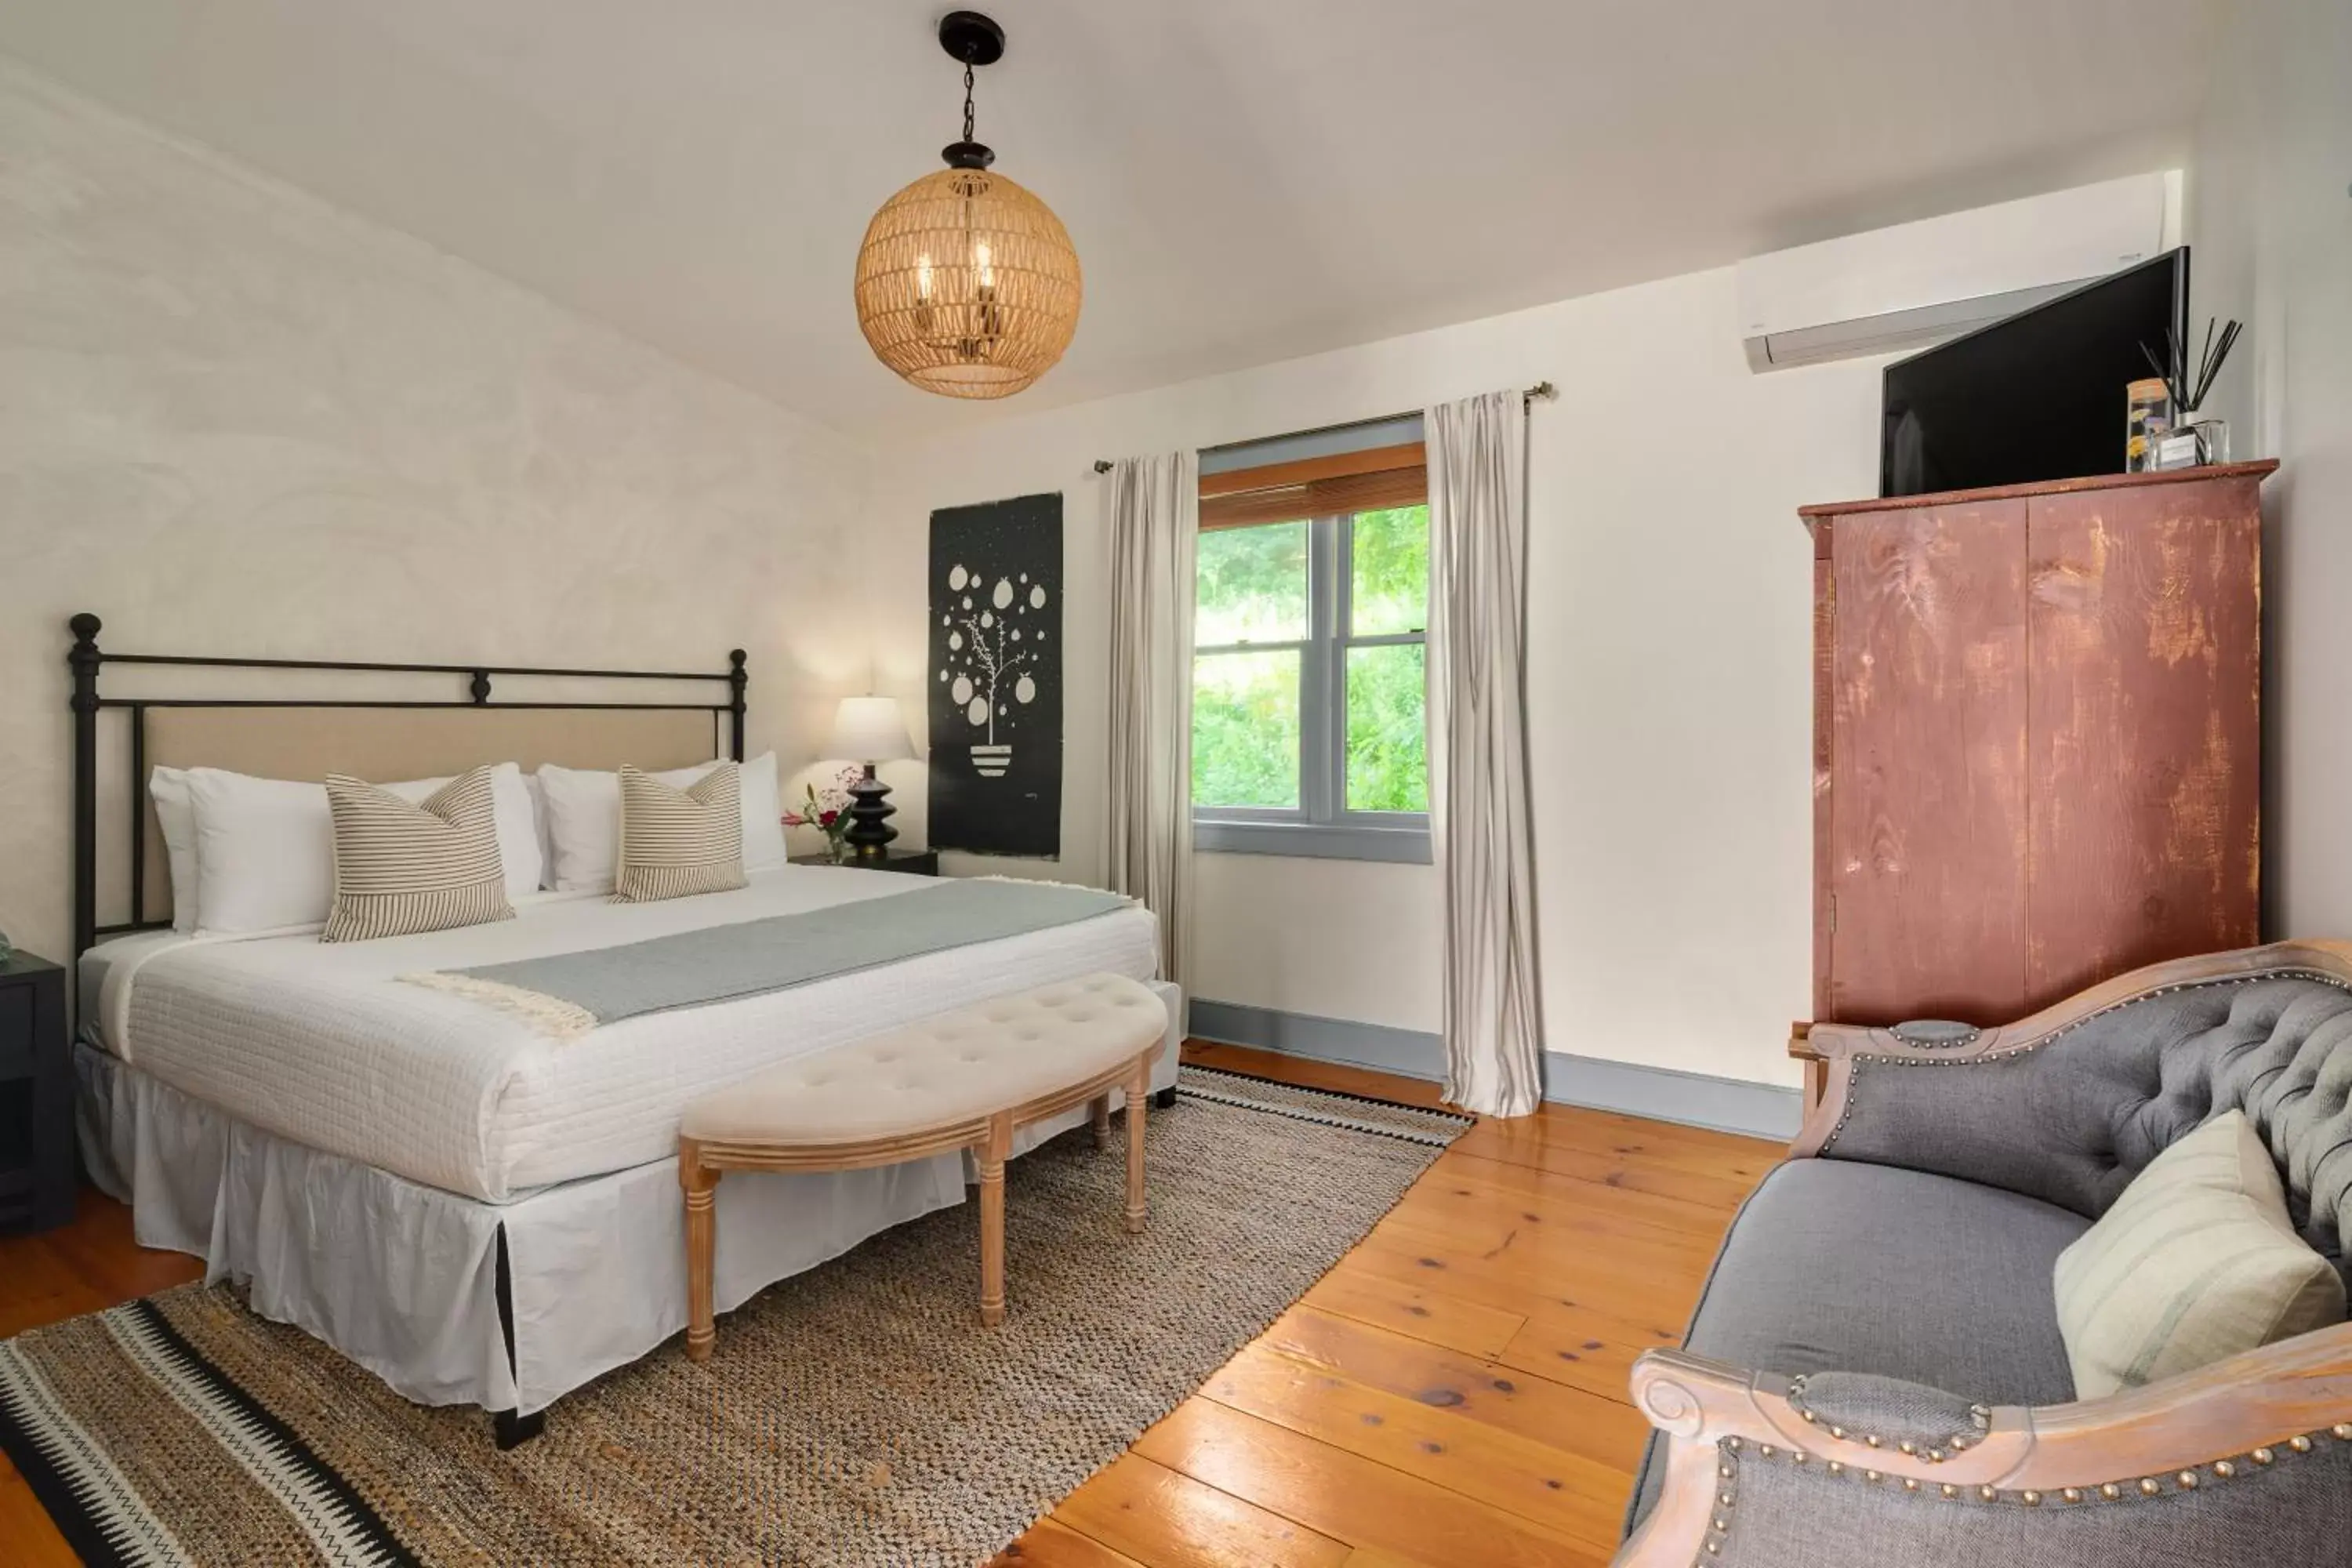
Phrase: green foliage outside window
(1247, 702)
(1388, 766)
(1252, 585)
(1246, 728)
(1253, 589)
(1388, 580)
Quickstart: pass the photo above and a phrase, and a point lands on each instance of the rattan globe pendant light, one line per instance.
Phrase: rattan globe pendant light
(967, 284)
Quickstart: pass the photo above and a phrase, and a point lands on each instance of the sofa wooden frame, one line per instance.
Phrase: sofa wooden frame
(2206, 1428)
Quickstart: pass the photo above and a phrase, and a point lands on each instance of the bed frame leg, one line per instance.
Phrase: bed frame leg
(512, 1430)
(1165, 1099)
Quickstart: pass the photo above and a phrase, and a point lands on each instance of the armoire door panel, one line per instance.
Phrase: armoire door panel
(1824, 760)
(1929, 824)
(2143, 735)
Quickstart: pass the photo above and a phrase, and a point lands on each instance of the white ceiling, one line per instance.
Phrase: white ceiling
(1246, 180)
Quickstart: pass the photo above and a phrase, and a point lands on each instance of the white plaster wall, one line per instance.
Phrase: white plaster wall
(2271, 223)
(235, 420)
(1267, 936)
(1670, 587)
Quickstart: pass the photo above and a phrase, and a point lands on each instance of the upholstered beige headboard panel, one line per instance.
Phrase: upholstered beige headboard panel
(389, 744)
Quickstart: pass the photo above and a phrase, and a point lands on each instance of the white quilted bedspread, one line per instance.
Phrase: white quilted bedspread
(319, 1043)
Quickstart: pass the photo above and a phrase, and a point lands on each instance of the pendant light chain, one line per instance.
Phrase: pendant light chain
(974, 349)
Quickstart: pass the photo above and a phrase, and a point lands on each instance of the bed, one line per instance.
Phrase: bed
(476, 1211)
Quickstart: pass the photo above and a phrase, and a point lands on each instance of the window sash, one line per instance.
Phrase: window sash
(1323, 703)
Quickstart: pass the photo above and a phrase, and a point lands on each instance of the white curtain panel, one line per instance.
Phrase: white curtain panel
(1155, 525)
(1479, 828)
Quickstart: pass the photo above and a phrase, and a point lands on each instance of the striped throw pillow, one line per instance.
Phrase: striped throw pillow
(404, 868)
(2196, 1262)
(679, 841)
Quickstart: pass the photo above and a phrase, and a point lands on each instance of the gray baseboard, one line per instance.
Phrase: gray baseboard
(1663, 1094)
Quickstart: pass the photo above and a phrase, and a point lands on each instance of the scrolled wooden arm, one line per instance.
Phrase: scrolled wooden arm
(1838, 1047)
(2269, 1407)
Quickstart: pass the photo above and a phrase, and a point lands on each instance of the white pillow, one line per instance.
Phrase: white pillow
(763, 815)
(176, 814)
(520, 853)
(583, 819)
(539, 819)
(265, 847)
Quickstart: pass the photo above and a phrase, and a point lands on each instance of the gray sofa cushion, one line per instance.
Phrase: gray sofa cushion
(1834, 1265)
(1838, 1266)
(2075, 1120)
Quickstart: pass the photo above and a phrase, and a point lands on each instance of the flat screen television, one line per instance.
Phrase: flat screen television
(2038, 395)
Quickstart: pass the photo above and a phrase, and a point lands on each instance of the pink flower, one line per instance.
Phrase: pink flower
(794, 819)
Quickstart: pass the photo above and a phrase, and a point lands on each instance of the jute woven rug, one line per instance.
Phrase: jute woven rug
(856, 1414)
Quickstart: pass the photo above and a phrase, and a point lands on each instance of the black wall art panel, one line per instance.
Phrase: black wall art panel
(996, 678)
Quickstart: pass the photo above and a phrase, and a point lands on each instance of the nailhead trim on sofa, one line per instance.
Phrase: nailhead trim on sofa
(1730, 1450)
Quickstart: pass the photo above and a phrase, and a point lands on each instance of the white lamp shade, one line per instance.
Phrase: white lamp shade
(869, 729)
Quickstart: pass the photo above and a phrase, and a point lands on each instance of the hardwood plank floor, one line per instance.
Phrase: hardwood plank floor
(1455, 1390)
(1451, 1391)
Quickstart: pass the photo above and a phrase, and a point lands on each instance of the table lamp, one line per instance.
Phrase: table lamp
(869, 729)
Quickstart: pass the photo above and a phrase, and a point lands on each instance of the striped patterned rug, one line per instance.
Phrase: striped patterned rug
(855, 1415)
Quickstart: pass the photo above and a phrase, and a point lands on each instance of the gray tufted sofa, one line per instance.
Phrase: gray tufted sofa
(1874, 1374)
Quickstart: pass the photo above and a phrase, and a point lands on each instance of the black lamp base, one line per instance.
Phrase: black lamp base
(870, 833)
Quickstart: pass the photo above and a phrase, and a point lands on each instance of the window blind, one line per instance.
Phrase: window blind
(1365, 480)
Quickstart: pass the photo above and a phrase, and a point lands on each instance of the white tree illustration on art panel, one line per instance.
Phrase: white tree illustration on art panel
(992, 646)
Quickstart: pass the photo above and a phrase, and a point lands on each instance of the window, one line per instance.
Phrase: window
(1308, 690)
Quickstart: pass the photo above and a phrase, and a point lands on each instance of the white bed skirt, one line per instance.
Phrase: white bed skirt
(403, 1277)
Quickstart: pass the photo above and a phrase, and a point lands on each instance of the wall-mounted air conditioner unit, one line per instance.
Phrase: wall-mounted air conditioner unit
(1901, 288)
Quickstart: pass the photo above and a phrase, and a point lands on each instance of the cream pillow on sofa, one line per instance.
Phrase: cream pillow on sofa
(2196, 1262)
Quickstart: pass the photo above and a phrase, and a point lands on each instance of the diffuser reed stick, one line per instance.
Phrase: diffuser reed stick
(2188, 391)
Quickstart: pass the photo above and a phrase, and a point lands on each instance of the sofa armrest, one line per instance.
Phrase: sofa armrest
(1762, 1470)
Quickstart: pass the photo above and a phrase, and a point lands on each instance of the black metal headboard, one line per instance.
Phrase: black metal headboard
(85, 660)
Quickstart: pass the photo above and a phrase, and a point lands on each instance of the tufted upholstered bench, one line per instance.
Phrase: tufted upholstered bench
(962, 1080)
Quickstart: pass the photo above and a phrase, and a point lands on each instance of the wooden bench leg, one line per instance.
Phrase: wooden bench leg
(1098, 1112)
(700, 1184)
(993, 1155)
(1138, 1096)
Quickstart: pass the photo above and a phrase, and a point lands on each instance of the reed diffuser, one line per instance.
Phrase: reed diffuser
(2191, 440)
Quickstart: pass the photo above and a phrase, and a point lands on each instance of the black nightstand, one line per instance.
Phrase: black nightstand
(914, 862)
(36, 1133)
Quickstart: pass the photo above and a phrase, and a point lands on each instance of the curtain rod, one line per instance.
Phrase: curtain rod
(1527, 399)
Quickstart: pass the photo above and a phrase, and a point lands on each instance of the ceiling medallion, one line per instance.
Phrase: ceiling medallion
(967, 284)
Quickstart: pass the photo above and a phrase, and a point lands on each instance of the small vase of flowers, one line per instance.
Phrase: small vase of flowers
(827, 813)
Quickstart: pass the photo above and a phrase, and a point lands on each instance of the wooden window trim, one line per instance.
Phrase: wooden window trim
(1343, 482)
